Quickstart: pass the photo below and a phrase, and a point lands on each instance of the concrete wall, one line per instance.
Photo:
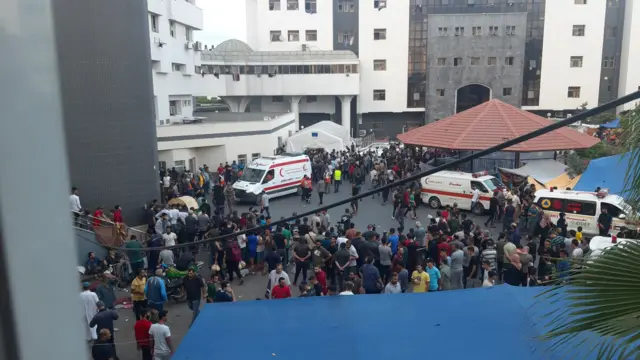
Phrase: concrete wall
(107, 102)
(346, 22)
(467, 46)
(391, 124)
(629, 69)
(611, 48)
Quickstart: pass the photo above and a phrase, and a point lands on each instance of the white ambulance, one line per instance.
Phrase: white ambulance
(276, 175)
(582, 208)
(449, 187)
(598, 244)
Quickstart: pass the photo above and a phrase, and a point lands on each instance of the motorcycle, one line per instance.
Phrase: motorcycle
(173, 281)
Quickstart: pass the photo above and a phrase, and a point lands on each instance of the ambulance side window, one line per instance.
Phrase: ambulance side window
(581, 207)
(269, 176)
(611, 209)
(478, 185)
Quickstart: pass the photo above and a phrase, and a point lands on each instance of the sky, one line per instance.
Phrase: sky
(223, 20)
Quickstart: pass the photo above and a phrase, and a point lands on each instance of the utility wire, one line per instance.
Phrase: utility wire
(557, 125)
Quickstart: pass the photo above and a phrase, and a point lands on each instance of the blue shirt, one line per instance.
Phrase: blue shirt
(370, 276)
(252, 243)
(393, 239)
(434, 276)
(155, 290)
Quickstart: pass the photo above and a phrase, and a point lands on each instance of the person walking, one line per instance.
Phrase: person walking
(494, 205)
(137, 293)
(161, 338)
(156, 291)
(141, 331)
(89, 301)
(104, 320)
(321, 189)
(337, 179)
(196, 290)
(264, 203)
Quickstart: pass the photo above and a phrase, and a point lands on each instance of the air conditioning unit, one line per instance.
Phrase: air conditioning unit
(158, 42)
(188, 45)
(197, 46)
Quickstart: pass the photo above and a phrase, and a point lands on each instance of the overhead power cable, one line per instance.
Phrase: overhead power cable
(557, 125)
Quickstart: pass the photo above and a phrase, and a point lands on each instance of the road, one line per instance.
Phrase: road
(371, 212)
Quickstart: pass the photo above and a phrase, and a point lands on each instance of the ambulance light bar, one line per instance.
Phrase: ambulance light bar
(480, 173)
(603, 193)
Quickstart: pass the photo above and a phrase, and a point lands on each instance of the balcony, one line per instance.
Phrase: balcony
(158, 7)
(186, 13)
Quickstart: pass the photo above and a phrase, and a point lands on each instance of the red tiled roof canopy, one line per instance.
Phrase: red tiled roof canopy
(492, 123)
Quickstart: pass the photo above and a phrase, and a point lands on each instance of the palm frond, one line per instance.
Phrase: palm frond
(630, 141)
(603, 303)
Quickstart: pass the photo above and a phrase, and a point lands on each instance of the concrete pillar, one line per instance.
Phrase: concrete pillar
(295, 108)
(237, 103)
(346, 111)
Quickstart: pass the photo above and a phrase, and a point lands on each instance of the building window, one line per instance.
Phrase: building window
(255, 156)
(459, 31)
(176, 67)
(476, 30)
(311, 99)
(379, 65)
(457, 61)
(508, 61)
(578, 30)
(242, 159)
(506, 91)
(441, 62)
(379, 34)
(493, 30)
(274, 5)
(609, 62)
(292, 4)
(197, 69)
(188, 34)
(172, 29)
(310, 6)
(475, 61)
(531, 94)
(443, 31)
(440, 92)
(186, 102)
(346, 6)
(174, 109)
(154, 23)
(510, 30)
(311, 35)
(492, 61)
(610, 31)
(277, 99)
(275, 35)
(576, 62)
(580, 2)
(379, 95)
(573, 92)
(345, 38)
(293, 35)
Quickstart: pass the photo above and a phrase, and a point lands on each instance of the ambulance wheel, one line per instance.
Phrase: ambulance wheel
(434, 202)
(478, 209)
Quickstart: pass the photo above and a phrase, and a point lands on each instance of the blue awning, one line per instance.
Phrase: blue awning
(611, 124)
(606, 173)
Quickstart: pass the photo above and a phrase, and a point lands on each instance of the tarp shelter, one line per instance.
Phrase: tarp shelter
(187, 201)
(342, 327)
(607, 173)
(325, 135)
(614, 124)
(541, 170)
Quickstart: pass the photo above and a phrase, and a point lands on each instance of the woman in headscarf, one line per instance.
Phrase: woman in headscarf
(542, 230)
(513, 269)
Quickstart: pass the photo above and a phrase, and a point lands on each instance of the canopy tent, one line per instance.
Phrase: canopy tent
(541, 170)
(606, 173)
(490, 124)
(614, 124)
(325, 134)
(346, 324)
(187, 201)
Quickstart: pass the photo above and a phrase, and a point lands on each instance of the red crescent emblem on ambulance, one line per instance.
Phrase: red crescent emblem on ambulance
(304, 167)
(281, 171)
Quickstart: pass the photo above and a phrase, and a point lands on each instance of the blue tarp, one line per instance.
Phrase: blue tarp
(606, 173)
(611, 124)
(483, 323)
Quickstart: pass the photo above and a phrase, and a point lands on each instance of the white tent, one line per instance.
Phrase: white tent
(325, 134)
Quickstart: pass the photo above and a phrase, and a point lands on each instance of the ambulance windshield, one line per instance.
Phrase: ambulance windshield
(493, 184)
(252, 175)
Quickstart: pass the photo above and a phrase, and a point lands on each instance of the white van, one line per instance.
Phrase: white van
(598, 244)
(449, 187)
(276, 175)
(582, 208)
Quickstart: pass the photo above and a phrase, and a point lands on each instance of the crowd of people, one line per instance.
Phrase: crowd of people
(444, 252)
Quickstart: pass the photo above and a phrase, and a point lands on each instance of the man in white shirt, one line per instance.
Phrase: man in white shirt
(161, 338)
(577, 252)
(169, 237)
(74, 201)
(475, 196)
(166, 184)
(348, 288)
(275, 275)
(264, 203)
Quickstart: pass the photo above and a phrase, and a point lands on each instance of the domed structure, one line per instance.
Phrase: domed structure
(233, 46)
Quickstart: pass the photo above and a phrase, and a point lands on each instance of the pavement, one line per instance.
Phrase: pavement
(371, 211)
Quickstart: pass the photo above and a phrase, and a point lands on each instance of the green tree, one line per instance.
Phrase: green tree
(604, 296)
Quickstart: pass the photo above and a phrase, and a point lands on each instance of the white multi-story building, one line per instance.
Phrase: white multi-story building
(386, 66)
(175, 57)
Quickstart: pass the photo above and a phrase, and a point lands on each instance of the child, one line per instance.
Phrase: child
(578, 235)
(212, 287)
(491, 279)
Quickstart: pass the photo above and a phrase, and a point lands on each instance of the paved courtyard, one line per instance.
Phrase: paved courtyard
(371, 212)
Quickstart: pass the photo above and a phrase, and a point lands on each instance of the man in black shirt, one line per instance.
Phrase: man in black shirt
(604, 222)
(494, 204)
(196, 291)
(225, 293)
(185, 261)
(304, 228)
(467, 224)
(302, 256)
